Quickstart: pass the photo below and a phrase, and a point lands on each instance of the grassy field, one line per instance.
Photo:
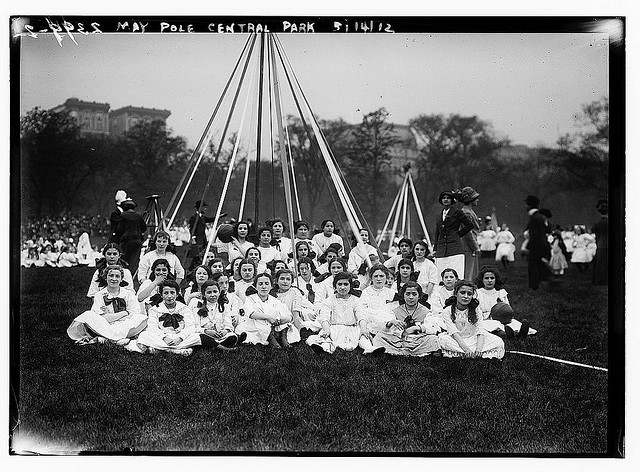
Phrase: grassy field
(101, 398)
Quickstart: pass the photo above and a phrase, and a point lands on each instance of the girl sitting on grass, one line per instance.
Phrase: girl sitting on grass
(235, 304)
(149, 292)
(216, 265)
(291, 296)
(411, 330)
(212, 318)
(324, 283)
(255, 255)
(302, 251)
(443, 291)
(405, 273)
(171, 325)
(268, 320)
(427, 270)
(491, 294)
(247, 271)
(343, 321)
(161, 242)
(112, 256)
(114, 316)
(200, 275)
(378, 300)
(465, 337)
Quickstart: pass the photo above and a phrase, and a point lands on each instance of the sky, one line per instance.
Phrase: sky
(528, 86)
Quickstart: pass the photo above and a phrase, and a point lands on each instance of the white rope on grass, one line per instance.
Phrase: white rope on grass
(562, 361)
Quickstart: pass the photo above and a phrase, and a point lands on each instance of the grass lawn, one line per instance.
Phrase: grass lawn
(101, 398)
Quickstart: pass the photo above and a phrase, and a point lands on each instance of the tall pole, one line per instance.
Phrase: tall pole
(259, 138)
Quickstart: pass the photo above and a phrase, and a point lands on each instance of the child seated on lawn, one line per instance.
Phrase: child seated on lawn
(212, 318)
(114, 316)
(412, 330)
(247, 271)
(441, 293)
(343, 320)
(171, 326)
(465, 336)
(497, 314)
(112, 256)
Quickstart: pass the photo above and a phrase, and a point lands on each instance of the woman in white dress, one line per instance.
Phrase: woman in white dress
(343, 321)
(114, 316)
(171, 325)
(112, 256)
(230, 298)
(268, 320)
(327, 237)
(325, 287)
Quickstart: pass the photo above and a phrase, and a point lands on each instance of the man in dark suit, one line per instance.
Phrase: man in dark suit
(198, 226)
(538, 245)
(451, 225)
(129, 232)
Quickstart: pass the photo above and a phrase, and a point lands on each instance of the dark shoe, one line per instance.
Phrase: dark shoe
(317, 348)
(242, 337)
(510, 333)
(437, 353)
(207, 341)
(231, 341)
(273, 342)
(524, 329)
(282, 338)
(378, 351)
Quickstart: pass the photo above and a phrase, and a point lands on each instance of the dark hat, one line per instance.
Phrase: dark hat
(532, 201)
(446, 192)
(467, 195)
(545, 212)
(128, 204)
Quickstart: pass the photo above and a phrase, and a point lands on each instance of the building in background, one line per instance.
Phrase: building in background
(96, 119)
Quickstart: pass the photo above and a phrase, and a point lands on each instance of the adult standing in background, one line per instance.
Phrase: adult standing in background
(538, 246)
(198, 226)
(469, 199)
(601, 232)
(129, 232)
(116, 214)
(451, 225)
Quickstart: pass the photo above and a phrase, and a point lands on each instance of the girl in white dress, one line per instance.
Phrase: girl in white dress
(302, 251)
(283, 245)
(112, 256)
(268, 320)
(359, 253)
(427, 270)
(308, 287)
(465, 337)
(411, 330)
(255, 255)
(405, 273)
(149, 292)
(378, 300)
(327, 237)
(161, 240)
(491, 292)
(213, 319)
(301, 229)
(343, 320)
(443, 291)
(247, 271)
(194, 291)
(291, 296)
(84, 249)
(235, 304)
(237, 248)
(506, 250)
(171, 325)
(331, 254)
(267, 252)
(324, 284)
(114, 316)
(581, 256)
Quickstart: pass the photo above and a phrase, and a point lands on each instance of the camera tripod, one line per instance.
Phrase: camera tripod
(153, 215)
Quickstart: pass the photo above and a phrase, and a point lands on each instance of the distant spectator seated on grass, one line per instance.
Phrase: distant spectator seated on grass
(171, 325)
(465, 336)
(267, 320)
(497, 314)
(161, 241)
(212, 317)
(343, 320)
(111, 257)
(114, 316)
(411, 330)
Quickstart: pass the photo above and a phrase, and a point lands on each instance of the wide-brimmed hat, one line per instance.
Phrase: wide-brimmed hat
(446, 192)
(468, 194)
(128, 204)
(532, 201)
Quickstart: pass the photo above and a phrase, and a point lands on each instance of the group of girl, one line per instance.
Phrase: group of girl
(332, 302)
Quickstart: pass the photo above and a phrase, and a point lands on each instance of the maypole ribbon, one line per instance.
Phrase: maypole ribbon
(562, 361)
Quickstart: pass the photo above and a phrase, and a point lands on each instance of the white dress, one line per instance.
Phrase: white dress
(258, 330)
(323, 242)
(146, 261)
(357, 256)
(84, 249)
(177, 322)
(580, 253)
(493, 346)
(487, 240)
(506, 248)
(378, 306)
(438, 298)
(234, 249)
(94, 318)
(343, 316)
(428, 273)
(214, 319)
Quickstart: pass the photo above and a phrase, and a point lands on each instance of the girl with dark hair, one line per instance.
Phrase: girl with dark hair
(149, 292)
(451, 225)
(247, 271)
(427, 270)
(332, 253)
(267, 252)
(160, 240)
(200, 275)
(328, 236)
(343, 321)
(255, 255)
(465, 337)
(301, 229)
(325, 287)
(411, 331)
(282, 244)
(303, 250)
(112, 256)
(405, 273)
(443, 291)
(360, 252)
(237, 248)
(230, 298)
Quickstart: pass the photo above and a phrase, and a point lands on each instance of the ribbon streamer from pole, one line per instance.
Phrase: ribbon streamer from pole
(561, 361)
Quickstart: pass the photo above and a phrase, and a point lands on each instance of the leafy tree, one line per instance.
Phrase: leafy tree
(369, 161)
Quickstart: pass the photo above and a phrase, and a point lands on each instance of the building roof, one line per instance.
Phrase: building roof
(74, 102)
(142, 111)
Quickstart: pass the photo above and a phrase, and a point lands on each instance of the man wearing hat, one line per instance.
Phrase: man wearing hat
(538, 245)
(601, 231)
(451, 225)
(469, 199)
(116, 214)
(198, 225)
(129, 232)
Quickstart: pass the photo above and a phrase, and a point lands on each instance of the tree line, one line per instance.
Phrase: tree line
(64, 170)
